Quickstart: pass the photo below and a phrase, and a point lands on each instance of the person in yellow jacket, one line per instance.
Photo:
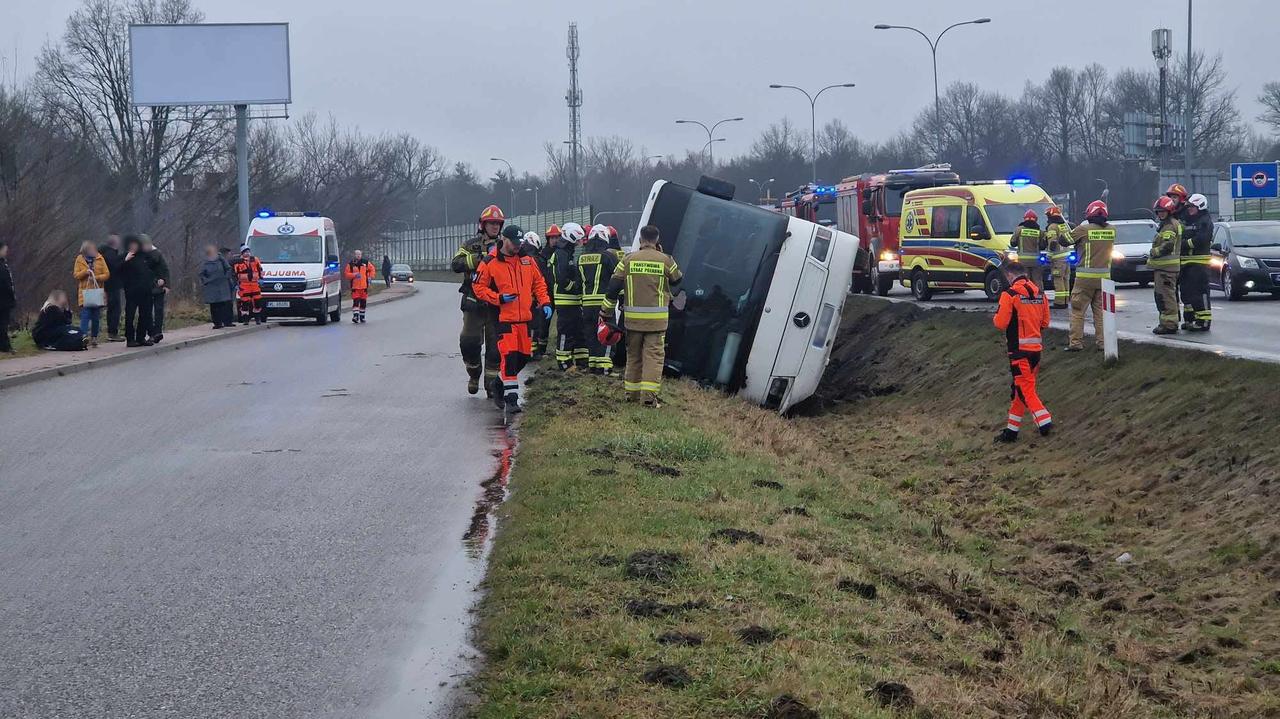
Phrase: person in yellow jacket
(1093, 240)
(647, 276)
(1057, 236)
(479, 322)
(1164, 261)
(91, 272)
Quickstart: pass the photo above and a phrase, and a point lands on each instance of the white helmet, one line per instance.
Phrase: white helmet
(573, 232)
(1200, 201)
(533, 239)
(599, 232)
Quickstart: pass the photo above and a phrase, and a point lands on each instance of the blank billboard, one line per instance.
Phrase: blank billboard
(235, 64)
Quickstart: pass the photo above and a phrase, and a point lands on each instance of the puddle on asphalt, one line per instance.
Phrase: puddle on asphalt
(433, 682)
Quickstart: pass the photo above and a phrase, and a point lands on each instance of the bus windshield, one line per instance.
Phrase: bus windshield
(727, 252)
(288, 249)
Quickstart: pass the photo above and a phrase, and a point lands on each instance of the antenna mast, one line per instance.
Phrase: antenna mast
(574, 99)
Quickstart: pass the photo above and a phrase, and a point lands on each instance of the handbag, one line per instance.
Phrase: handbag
(95, 296)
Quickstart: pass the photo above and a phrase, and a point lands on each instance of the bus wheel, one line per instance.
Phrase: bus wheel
(993, 285)
(920, 286)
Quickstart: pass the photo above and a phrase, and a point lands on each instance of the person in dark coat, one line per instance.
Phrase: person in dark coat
(8, 298)
(113, 255)
(53, 330)
(138, 280)
(159, 291)
(215, 287)
(386, 270)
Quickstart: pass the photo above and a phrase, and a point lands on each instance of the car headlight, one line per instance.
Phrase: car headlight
(1011, 255)
(1247, 262)
(1117, 255)
(888, 256)
(315, 284)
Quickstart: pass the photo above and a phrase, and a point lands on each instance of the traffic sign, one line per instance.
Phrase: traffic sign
(1255, 180)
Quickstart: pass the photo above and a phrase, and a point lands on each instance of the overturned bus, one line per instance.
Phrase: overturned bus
(760, 304)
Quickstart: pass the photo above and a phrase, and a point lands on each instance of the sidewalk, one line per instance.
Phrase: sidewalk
(21, 370)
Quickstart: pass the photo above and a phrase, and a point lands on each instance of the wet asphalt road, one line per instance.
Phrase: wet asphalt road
(265, 526)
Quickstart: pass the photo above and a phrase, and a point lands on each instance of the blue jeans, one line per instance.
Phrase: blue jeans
(88, 316)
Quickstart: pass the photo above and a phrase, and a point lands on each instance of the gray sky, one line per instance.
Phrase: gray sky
(487, 78)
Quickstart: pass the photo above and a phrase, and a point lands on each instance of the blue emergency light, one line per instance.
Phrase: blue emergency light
(1019, 181)
(1043, 258)
(1072, 257)
(264, 213)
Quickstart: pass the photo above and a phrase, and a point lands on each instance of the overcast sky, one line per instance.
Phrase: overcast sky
(487, 78)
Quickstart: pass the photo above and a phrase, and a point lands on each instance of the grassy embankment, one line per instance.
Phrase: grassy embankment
(891, 560)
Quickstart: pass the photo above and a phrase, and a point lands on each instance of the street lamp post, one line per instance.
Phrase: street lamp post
(711, 131)
(813, 118)
(512, 184)
(933, 47)
(534, 190)
(760, 188)
(707, 146)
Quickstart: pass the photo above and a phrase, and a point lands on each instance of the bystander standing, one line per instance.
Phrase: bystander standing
(216, 278)
(8, 298)
(113, 255)
(159, 291)
(138, 279)
(90, 271)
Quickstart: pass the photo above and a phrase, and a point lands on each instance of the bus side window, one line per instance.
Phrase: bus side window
(946, 222)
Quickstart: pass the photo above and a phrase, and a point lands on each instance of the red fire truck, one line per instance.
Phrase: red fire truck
(869, 206)
(815, 203)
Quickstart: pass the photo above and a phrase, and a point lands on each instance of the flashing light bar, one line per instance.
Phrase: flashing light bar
(266, 212)
(931, 167)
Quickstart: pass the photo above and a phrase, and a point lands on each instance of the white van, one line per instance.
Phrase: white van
(301, 275)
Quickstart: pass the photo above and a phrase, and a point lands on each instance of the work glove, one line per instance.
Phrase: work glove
(546, 312)
(509, 298)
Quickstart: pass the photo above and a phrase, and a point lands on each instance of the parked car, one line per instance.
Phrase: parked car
(401, 273)
(1129, 254)
(1246, 258)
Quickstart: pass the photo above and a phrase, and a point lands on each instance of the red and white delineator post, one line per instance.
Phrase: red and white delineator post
(1110, 343)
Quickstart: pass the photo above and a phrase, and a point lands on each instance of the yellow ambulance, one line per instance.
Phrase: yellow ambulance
(957, 237)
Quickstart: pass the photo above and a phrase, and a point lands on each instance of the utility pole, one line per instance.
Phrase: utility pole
(1186, 109)
(1161, 49)
(574, 99)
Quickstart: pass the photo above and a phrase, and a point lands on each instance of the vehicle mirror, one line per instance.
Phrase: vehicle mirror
(980, 234)
(331, 259)
(827, 223)
(867, 208)
(1216, 247)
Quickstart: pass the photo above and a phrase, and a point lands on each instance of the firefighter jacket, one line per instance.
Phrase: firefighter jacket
(1093, 243)
(248, 274)
(1057, 237)
(566, 288)
(1027, 241)
(515, 278)
(647, 276)
(595, 267)
(359, 273)
(465, 262)
(1023, 314)
(1166, 246)
(1197, 238)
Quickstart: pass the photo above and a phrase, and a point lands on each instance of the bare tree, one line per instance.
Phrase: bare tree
(1270, 101)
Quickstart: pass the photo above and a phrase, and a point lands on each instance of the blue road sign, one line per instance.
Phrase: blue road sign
(1255, 180)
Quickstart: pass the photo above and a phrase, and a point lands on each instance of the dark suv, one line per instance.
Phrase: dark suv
(1246, 258)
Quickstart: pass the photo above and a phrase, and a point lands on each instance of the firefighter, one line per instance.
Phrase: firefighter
(1028, 242)
(615, 245)
(512, 284)
(1164, 260)
(479, 332)
(359, 273)
(1057, 237)
(595, 267)
(1022, 316)
(1093, 241)
(618, 353)
(1193, 277)
(248, 271)
(1178, 194)
(571, 347)
(648, 277)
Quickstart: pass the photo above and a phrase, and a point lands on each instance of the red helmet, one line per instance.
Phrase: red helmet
(608, 334)
(553, 231)
(1166, 204)
(1030, 215)
(1177, 192)
(1097, 208)
(492, 213)
(613, 232)
(1053, 211)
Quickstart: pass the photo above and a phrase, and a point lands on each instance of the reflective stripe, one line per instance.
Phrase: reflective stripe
(630, 314)
(1094, 272)
(631, 386)
(568, 300)
(1028, 341)
(650, 386)
(663, 310)
(1015, 418)
(1195, 259)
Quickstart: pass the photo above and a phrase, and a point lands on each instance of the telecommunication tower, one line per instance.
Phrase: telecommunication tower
(574, 99)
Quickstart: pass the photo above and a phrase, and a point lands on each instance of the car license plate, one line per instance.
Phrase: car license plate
(278, 305)
(1141, 268)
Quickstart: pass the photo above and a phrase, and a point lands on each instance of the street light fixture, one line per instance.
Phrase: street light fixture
(759, 187)
(534, 190)
(512, 184)
(933, 47)
(711, 131)
(813, 117)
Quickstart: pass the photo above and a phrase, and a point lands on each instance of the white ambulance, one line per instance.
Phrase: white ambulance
(301, 269)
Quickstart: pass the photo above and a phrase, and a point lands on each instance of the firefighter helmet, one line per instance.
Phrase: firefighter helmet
(599, 232)
(573, 232)
(1166, 204)
(553, 231)
(492, 213)
(608, 333)
(613, 232)
(1030, 215)
(1199, 201)
(1053, 211)
(1177, 191)
(1097, 208)
(532, 238)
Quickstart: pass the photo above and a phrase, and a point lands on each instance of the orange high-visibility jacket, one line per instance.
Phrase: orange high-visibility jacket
(248, 274)
(358, 274)
(515, 275)
(1023, 315)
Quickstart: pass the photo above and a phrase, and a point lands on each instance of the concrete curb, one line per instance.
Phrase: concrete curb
(77, 367)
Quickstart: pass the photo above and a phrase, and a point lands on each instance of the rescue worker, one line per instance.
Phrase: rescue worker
(545, 253)
(1178, 194)
(618, 351)
(1093, 241)
(359, 273)
(512, 284)
(1023, 315)
(248, 272)
(1028, 242)
(615, 246)
(1193, 277)
(571, 346)
(595, 267)
(1164, 261)
(531, 246)
(648, 277)
(479, 333)
(1057, 237)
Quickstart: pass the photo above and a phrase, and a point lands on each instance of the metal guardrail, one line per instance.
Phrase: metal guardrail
(432, 248)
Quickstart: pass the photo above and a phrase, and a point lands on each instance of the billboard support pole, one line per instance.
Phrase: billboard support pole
(242, 169)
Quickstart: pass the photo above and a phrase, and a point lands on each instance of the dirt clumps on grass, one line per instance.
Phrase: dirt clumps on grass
(892, 695)
(658, 566)
(756, 634)
(654, 468)
(766, 484)
(649, 608)
(862, 589)
(799, 511)
(602, 471)
(680, 639)
(736, 536)
(668, 675)
(786, 706)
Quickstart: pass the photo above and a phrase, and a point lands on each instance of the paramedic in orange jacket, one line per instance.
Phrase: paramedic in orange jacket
(359, 272)
(248, 272)
(512, 282)
(1023, 315)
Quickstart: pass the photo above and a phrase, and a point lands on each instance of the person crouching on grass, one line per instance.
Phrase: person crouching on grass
(1023, 315)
